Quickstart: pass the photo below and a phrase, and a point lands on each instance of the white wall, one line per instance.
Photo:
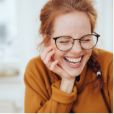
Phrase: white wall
(104, 23)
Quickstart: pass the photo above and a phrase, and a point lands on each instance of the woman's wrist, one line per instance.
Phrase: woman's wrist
(67, 85)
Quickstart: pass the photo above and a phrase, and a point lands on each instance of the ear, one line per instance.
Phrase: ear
(47, 41)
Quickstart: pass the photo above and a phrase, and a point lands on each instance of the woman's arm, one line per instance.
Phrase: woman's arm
(110, 85)
(36, 95)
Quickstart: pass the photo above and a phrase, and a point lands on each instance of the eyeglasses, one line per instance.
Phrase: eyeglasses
(65, 43)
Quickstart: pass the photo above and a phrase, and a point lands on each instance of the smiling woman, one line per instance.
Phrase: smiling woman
(70, 75)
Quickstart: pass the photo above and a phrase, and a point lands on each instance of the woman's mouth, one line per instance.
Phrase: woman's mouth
(73, 62)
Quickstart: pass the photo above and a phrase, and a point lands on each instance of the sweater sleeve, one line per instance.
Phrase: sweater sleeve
(37, 98)
(110, 85)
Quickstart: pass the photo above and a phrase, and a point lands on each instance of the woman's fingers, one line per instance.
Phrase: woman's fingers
(53, 65)
(45, 51)
(57, 69)
(48, 57)
(61, 72)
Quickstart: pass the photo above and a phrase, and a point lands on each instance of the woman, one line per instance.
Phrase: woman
(71, 75)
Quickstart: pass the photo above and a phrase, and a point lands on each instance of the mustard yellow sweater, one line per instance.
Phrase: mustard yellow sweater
(42, 93)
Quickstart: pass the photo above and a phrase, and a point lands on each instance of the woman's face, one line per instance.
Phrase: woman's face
(75, 24)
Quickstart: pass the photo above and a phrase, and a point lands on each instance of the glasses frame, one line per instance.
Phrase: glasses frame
(94, 33)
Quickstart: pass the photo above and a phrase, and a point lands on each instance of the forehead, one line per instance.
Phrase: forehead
(75, 23)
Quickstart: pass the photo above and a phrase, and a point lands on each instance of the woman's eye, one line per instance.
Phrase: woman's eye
(64, 42)
(85, 40)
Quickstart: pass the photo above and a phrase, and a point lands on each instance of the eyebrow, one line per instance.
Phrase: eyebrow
(72, 37)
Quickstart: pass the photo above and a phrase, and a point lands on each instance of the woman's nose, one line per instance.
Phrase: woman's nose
(76, 46)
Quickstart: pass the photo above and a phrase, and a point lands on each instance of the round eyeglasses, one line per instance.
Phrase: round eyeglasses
(65, 43)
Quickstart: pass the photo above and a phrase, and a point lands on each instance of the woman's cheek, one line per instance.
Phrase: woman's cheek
(58, 55)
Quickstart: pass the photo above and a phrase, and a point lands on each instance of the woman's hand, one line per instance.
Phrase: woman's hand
(47, 57)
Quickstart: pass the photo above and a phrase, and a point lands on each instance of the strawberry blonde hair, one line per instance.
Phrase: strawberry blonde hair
(54, 8)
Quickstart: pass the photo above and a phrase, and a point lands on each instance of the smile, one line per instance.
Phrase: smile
(73, 60)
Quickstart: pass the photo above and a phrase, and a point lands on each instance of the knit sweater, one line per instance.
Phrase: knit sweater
(42, 93)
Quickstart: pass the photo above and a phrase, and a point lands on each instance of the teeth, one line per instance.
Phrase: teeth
(73, 60)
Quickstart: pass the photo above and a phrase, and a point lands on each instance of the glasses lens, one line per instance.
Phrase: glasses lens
(88, 41)
(64, 43)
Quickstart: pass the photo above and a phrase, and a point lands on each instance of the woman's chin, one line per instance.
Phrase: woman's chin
(74, 73)
(73, 69)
